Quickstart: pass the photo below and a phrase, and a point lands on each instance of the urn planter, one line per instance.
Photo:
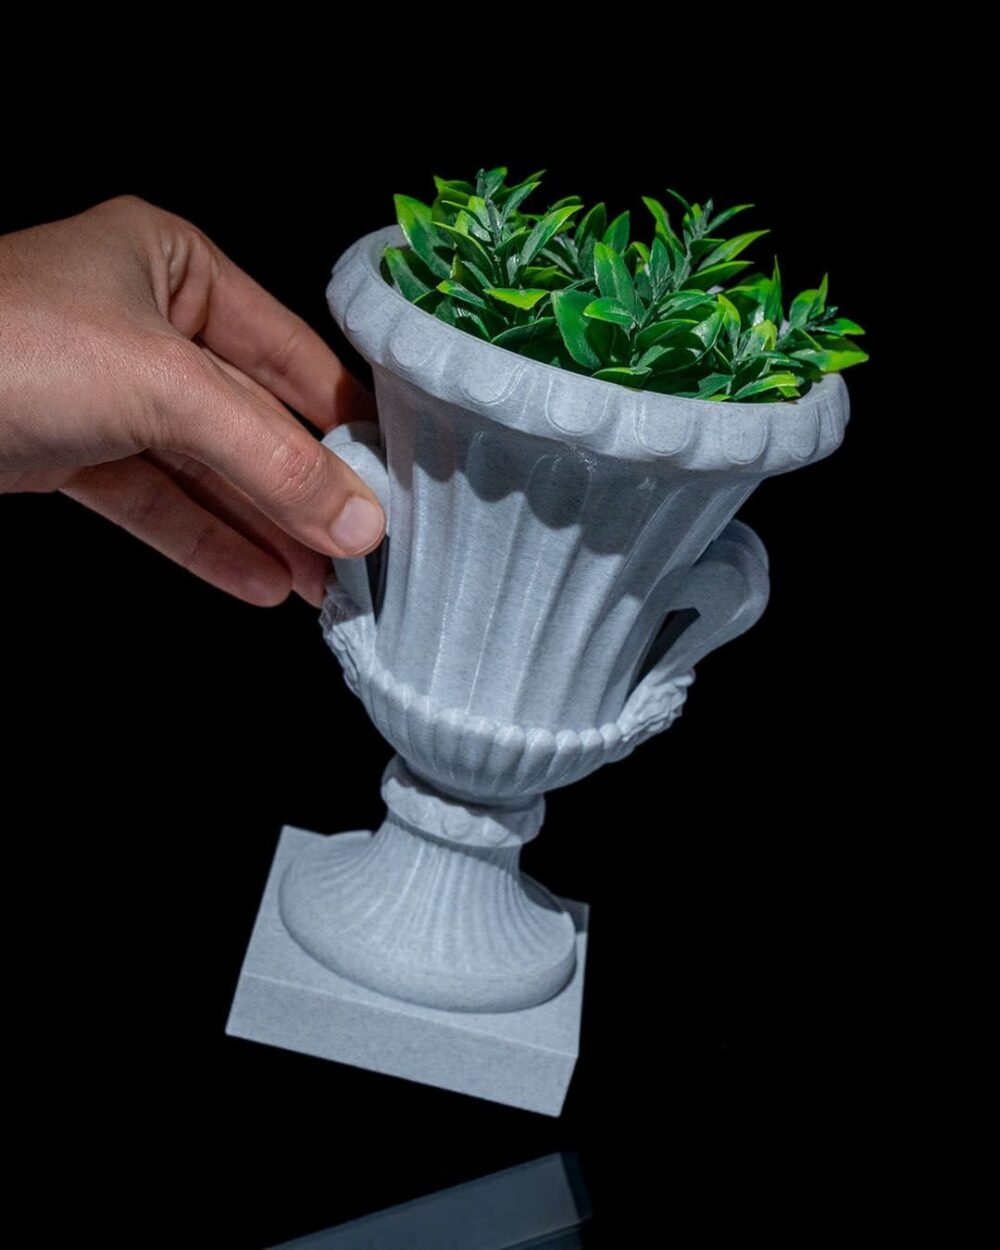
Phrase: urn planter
(560, 554)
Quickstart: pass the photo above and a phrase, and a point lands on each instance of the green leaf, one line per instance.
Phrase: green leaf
(544, 230)
(609, 309)
(472, 322)
(683, 301)
(503, 192)
(448, 186)
(716, 275)
(516, 197)
(749, 370)
(468, 248)
(547, 277)
(709, 329)
(761, 338)
(565, 200)
(513, 241)
(616, 235)
(459, 292)
(720, 219)
(403, 276)
(679, 258)
(668, 355)
(562, 250)
(516, 336)
(641, 253)
(568, 307)
(659, 266)
(668, 359)
(625, 376)
(430, 300)
(663, 330)
(712, 384)
(680, 262)
(609, 341)
(842, 325)
(489, 182)
(834, 353)
(449, 192)
(664, 231)
(700, 248)
(660, 215)
(772, 305)
(771, 381)
(553, 353)
(677, 383)
(416, 223)
(591, 224)
(519, 297)
(447, 310)
(731, 248)
(801, 309)
(806, 306)
(472, 218)
(731, 317)
(613, 277)
(466, 269)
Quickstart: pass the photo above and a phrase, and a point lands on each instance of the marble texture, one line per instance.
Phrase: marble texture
(286, 998)
(561, 552)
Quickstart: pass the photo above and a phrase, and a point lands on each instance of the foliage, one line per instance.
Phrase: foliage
(573, 289)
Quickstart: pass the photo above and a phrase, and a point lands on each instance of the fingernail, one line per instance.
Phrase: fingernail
(358, 525)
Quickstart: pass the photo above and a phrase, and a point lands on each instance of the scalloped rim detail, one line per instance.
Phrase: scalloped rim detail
(543, 400)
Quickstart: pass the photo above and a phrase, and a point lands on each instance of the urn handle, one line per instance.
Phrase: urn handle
(359, 443)
(728, 588)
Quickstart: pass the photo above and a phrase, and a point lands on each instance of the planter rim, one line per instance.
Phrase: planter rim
(590, 413)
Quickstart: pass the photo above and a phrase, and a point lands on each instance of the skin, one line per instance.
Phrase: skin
(143, 374)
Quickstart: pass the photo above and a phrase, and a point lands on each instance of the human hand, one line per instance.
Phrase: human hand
(145, 375)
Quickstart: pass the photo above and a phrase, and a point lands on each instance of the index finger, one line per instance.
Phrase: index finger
(254, 331)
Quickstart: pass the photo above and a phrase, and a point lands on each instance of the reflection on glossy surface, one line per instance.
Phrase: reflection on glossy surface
(543, 1204)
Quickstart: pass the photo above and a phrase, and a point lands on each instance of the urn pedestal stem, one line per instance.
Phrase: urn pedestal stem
(434, 909)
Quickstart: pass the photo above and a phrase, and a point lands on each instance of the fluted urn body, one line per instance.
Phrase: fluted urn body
(560, 552)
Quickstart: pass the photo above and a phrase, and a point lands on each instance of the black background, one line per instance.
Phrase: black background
(742, 869)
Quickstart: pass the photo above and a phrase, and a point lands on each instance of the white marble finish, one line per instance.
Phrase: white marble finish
(548, 536)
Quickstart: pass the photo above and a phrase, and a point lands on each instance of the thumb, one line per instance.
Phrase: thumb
(254, 441)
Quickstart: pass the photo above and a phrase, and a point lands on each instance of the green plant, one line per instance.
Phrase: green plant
(573, 289)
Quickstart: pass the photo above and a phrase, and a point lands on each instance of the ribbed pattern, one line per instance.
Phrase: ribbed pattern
(435, 885)
(526, 579)
(418, 919)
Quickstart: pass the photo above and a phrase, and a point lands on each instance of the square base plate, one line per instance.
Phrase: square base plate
(286, 998)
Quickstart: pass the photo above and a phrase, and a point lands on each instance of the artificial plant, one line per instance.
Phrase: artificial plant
(571, 288)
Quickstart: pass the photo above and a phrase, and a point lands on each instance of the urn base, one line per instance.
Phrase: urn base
(434, 908)
(286, 998)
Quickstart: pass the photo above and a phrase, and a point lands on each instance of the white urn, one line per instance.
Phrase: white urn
(560, 554)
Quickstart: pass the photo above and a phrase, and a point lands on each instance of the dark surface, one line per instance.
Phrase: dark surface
(161, 733)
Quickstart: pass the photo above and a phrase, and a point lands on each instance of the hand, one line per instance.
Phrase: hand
(145, 375)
